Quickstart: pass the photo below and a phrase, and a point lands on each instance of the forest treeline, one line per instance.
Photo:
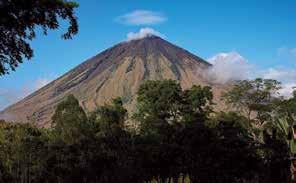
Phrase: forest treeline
(176, 137)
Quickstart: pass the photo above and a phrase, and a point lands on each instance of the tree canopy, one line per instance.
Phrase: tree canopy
(259, 95)
(18, 22)
(70, 120)
(180, 139)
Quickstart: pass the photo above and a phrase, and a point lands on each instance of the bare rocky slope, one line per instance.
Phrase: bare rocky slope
(117, 71)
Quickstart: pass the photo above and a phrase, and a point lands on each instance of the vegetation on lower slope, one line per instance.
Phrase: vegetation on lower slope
(178, 138)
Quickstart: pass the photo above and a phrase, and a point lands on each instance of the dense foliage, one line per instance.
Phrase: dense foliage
(178, 139)
(18, 21)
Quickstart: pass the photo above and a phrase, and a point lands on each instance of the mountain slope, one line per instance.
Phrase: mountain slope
(117, 71)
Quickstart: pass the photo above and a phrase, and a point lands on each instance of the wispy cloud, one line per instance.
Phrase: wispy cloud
(287, 53)
(10, 96)
(285, 75)
(40, 82)
(142, 17)
(287, 89)
(143, 32)
(293, 52)
(232, 66)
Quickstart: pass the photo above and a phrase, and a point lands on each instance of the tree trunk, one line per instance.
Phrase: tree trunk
(293, 172)
(175, 179)
(183, 178)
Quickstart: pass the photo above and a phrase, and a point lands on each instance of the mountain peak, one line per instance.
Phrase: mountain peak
(150, 36)
(116, 72)
(146, 37)
(143, 33)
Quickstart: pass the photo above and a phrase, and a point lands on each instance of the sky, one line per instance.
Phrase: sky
(244, 38)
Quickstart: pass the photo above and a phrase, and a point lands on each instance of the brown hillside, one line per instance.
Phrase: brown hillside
(118, 71)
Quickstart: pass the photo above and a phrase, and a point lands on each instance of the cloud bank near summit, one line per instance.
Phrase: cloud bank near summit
(231, 66)
(143, 32)
(228, 67)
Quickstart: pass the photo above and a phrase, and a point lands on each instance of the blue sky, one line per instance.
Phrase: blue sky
(261, 32)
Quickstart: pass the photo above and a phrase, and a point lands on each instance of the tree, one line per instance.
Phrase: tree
(197, 104)
(179, 137)
(250, 96)
(232, 118)
(158, 106)
(70, 121)
(22, 153)
(109, 117)
(287, 107)
(166, 114)
(18, 20)
(115, 143)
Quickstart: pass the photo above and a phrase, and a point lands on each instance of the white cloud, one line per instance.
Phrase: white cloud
(228, 67)
(232, 66)
(282, 51)
(11, 96)
(287, 89)
(293, 52)
(142, 17)
(144, 32)
(287, 53)
(284, 75)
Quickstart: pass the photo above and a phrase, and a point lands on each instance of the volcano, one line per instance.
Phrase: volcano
(117, 71)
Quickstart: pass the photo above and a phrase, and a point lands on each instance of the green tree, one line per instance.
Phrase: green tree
(287, 107)
(109, 117)
(116, 143)
(158, 106)
(22, 153)
(70, 121)
(164, 113)
(179, 137)
(233, 118)
(18, 20)
(197, 104)
(258, 96)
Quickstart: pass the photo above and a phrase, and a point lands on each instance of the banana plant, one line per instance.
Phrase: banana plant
(286, 126)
